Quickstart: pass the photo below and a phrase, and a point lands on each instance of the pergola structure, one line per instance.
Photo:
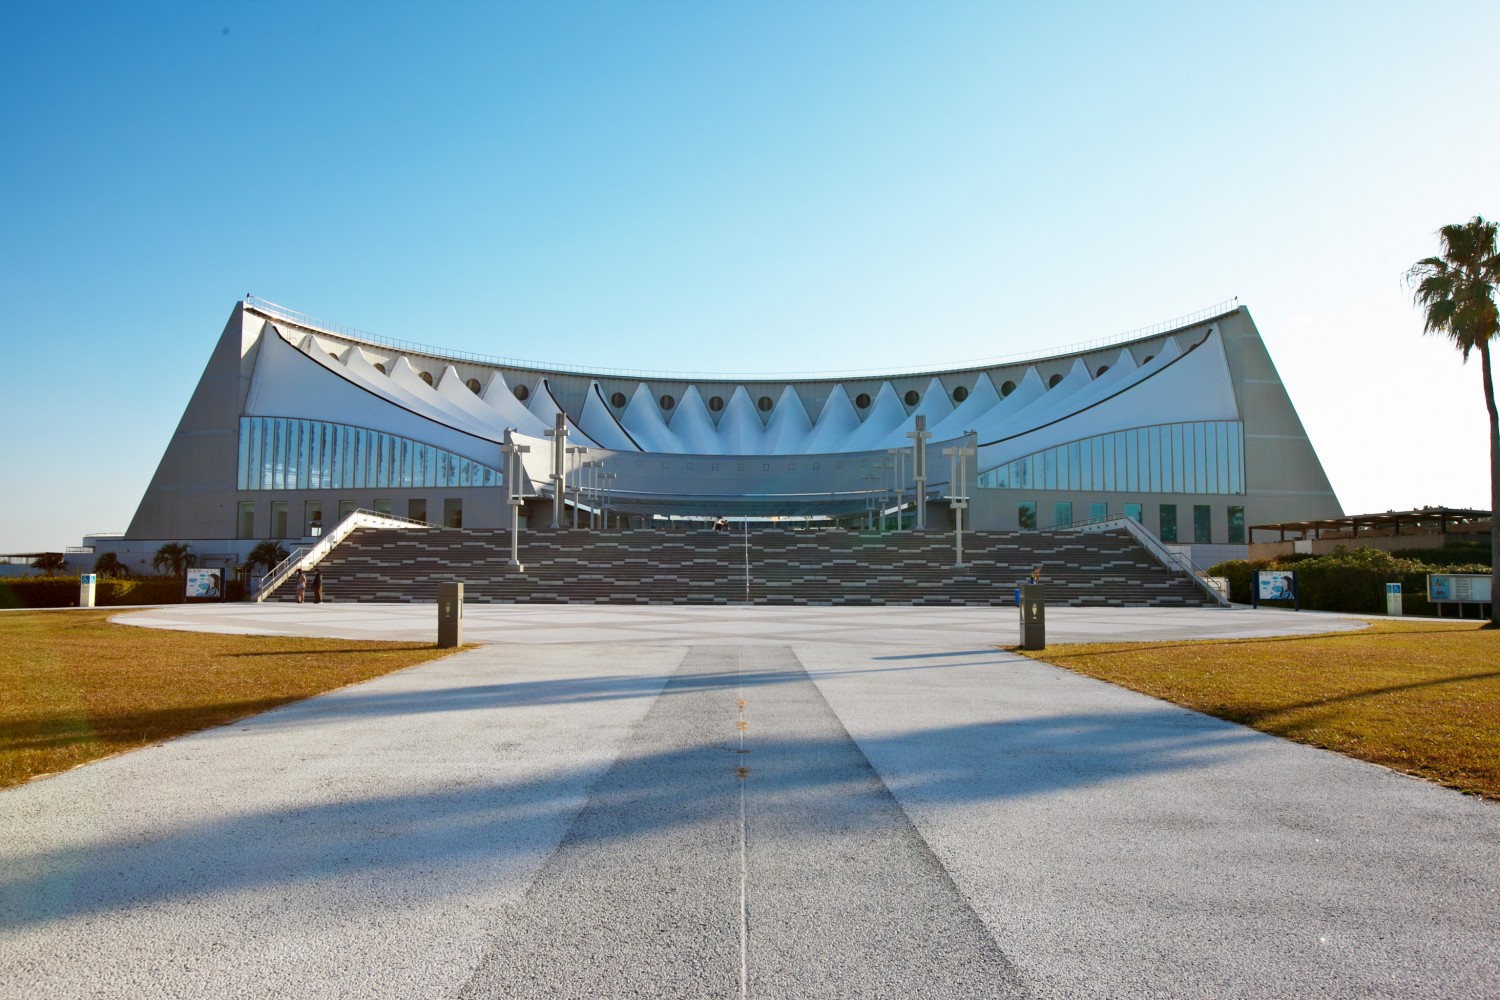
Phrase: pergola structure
(1424, 521)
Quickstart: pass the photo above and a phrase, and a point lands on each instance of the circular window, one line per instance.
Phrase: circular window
(521, 392)
(1007, 389)
(380, 367)
(716, 403)
(960, 394)
(764, 404)
(1101, 371)
(667, 402)
(912, 397)
(474, 386)
(1054, 380)
(1148, 359)
(862, 400)
(617, 400)
(333, 356)
(425, 377)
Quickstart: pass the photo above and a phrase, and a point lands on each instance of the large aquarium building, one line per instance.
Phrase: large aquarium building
(1185, 427)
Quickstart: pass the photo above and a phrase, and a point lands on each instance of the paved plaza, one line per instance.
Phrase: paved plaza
(762, 802)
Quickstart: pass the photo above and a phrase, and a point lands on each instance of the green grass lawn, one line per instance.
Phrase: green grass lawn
(1419, 696)
(74, 688)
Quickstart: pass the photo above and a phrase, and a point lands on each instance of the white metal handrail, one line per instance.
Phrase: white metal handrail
(1169, 558)
(305, 557)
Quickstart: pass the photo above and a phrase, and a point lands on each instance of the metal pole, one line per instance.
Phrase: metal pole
(574, 450)
(559, 436)
(513, 453)
(919, 468)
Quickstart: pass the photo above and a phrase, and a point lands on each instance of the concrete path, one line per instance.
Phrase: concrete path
(742, 802)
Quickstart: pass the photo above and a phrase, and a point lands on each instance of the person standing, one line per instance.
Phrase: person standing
(301, 585)
(317, 585)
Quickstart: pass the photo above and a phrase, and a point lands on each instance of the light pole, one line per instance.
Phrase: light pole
(919, 467)
(958, 483)
(513, 453)
(593, 466)
(604, 508)
(900, 481)
(559, 474)
(574, 450)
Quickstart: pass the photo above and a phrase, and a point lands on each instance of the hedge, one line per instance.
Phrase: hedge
(1348, 581)
(62, 591)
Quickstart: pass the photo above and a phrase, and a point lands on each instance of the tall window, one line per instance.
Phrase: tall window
(416, 509)
(1236, 525)
(1168, 524)
(278, 519)
(1062, 512)
(1203, 523)
(1026, 515)
(453, 513)
(246, 521)
(347, 507)
(1098, 511)
(1134, 512)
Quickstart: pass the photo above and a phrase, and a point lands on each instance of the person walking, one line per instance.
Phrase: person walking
(317, 585)
(301, 585)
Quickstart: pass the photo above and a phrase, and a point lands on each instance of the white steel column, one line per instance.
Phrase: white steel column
(559, 475)
(919, 467)
(513, 453)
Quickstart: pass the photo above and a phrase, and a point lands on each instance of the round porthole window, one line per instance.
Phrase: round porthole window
(716, 403)
(521, 392)
(764, 404)
(960, 394)
(425, 377)
(1148, 359)
(862, 400)
(912, 397)
(1007, 389)
(380, 367)
(1053, 381)
(617, 400)
(473, 385)
(667, 402)
(1101, 371)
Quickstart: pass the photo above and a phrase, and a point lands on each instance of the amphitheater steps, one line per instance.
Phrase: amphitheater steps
(786, 568)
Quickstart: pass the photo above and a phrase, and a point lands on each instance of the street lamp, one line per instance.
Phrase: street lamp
(513, 453)
(559, 474)
(574, 450)
(919, 467)
(958, 482)
(900, 480)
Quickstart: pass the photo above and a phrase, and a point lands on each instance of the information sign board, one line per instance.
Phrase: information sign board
(1459, 588)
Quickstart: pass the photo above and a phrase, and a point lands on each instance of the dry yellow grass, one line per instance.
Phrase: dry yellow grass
(74, 688)
(1420, 697)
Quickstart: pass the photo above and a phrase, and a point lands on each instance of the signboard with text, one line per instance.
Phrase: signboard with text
(205, 583)
(1459, 588)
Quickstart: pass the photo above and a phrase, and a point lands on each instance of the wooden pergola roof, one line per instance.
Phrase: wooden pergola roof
(1437, 519)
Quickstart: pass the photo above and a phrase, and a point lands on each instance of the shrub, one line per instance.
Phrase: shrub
(62, 592)
(1346, 580)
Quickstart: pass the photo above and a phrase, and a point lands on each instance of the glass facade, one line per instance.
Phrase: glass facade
(1167, 524)
(1201, 457)
(278, 453)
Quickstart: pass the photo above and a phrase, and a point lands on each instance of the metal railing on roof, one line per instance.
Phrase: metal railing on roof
(306, 321)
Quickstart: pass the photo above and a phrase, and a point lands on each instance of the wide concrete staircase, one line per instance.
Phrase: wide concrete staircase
(644, 566)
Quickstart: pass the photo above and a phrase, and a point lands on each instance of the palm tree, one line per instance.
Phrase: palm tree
(173, 556)
(1457, 291)
(267, 554)
(109, 564)
(49, 562)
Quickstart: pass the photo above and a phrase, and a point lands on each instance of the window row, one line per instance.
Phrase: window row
(315, 520)
(1199, 457)
(1166, 519)
(278, 453)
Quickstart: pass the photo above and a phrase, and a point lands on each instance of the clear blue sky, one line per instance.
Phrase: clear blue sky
(732, 187)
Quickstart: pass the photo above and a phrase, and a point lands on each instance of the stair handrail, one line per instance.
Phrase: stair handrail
(305, 557)
(1170, 558)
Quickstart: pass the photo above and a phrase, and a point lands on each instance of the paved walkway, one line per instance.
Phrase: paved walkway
(688, 802)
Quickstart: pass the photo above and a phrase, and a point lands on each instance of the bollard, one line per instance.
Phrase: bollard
(450, 615)
(1033, 616)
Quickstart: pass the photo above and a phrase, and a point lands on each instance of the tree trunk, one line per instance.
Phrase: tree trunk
(1489, 402)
